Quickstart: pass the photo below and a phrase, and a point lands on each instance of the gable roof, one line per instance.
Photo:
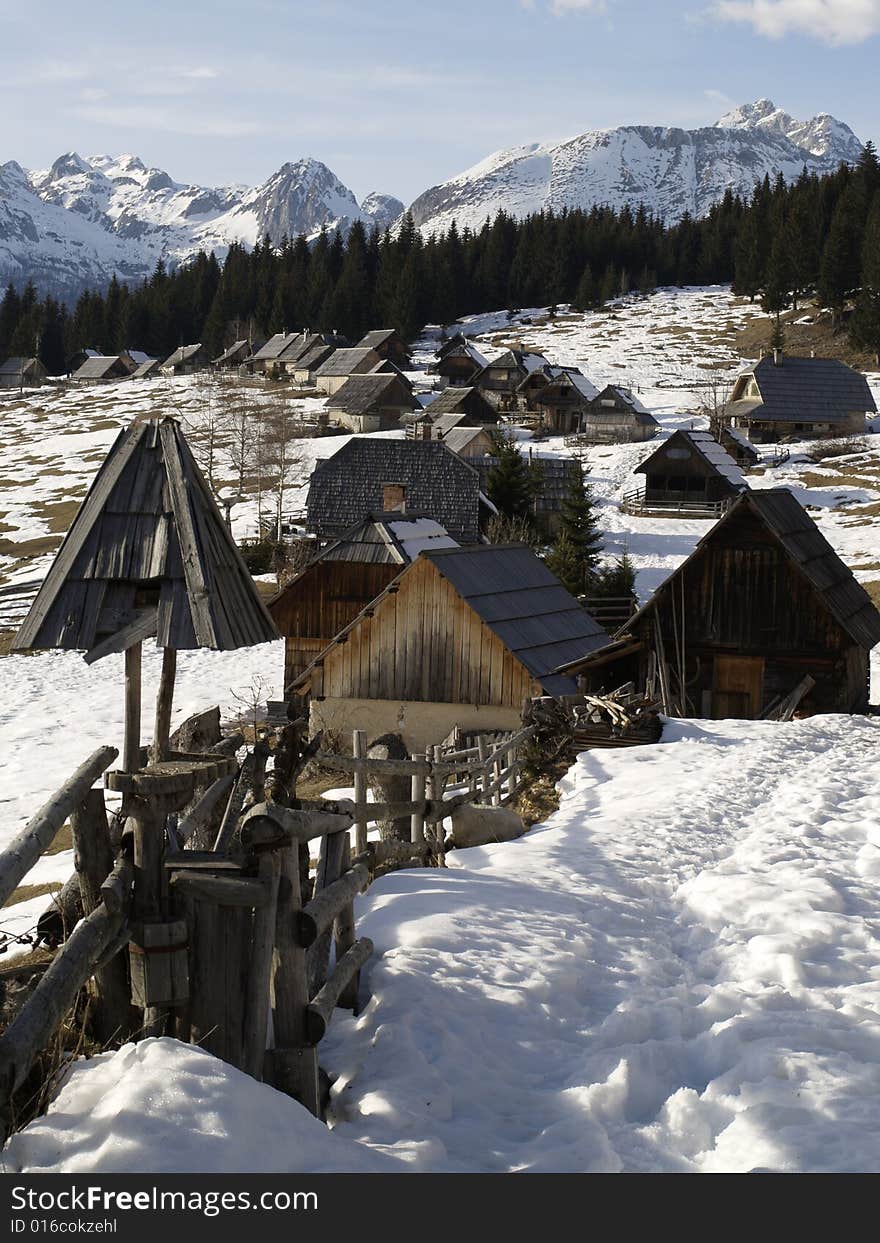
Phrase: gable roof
(16, 366)
(526, 360)
(148, 524)
(277, 345)
(145, 369)
(804, 390)
(390, 539)
(458, 438)
(524, 605)
(100, 366)
(138, 357)
(237, 348)
(741, 440)
(360, 393)
(708, 449)
(348, 485)
(453, 399)
(372, 340)
(349, 361)
(459, 345)
(182, 354)
(800, 537)
(628, 397)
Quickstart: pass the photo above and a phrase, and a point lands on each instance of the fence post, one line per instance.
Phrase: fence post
(497, 765)
(510, 757)
(359, 751)
(417, 794)
(485, 779)
(344, 933)
(294, 1063)
(256, 1017)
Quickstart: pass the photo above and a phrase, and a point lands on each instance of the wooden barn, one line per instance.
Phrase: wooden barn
(22, 373)
(737, 445)
(186, 360)
(788, 398)
(500, 379)
(690, 469)
(762, 616)
(233, 357)
(561, 395)
(266, 359)
(461, 637)
(389, 344)
(147, 370)
(616, 416)
(343, 363)
(343, 579)
(104, 369)
(458, 360)
(466, 404)
(375, 402)
(374, 475)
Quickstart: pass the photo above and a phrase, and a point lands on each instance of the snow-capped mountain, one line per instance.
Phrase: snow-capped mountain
(84, 219)
(671, 171)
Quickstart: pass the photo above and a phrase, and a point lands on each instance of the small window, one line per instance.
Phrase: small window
(393, 498)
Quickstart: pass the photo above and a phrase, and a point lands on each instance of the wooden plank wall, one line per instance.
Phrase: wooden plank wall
(425, 644)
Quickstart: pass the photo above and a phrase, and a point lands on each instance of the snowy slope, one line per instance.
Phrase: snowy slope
(671, 171)
(129, 216)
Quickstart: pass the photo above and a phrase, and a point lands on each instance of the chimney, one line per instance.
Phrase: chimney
(812, 353)
(777, 357)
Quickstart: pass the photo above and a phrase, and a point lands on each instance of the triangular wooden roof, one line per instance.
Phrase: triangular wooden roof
(147, 553)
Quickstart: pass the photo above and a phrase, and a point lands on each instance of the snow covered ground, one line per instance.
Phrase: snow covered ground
(679, 971)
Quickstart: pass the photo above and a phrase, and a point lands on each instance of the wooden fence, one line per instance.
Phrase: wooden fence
(635, 502)
(197, 913)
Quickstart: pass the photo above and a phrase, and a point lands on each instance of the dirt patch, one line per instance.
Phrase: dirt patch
(57, 514)
(24, 893)
(800, 339)
(31, 547)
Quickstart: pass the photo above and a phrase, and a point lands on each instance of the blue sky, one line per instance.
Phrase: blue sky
(395, 95)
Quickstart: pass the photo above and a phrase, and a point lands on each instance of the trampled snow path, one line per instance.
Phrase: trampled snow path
(680, 971)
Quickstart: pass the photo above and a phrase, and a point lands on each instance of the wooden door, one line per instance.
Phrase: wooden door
(737, 687)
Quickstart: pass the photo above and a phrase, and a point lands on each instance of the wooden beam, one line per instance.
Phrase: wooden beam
(143, 627)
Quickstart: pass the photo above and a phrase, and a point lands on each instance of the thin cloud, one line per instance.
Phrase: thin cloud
(836, 22)
(169, 122)
(561, 8)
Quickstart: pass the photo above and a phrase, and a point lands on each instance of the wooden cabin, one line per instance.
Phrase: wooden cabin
(342, 580)
(561, 395)
(147, 370)
(787, 398)
(457, 362)
(309, 360)
(737, 445)
(500, 379)
(467, 442)
(461, 637)
(466, 403)
(266, 359)
(22, 373)
(104, 369)
(332, 374)
(233, 357)
(388, 344)
(371, 475)
(371, 403)
(616, 416)
(186, 360)
(690, 468)
(761, 604)
(78, 357)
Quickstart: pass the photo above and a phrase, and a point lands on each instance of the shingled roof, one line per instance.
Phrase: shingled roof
(182, 355)
(349, 485)
(704, 444)
(804, 390)
(277, 345)
(388, 539)
(461, 399)
(102, 367)
(362, 393)
(148, 536)
(349, 362)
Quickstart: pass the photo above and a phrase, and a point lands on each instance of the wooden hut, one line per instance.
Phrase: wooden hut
(342, 363)
(104, 369)
(344, 578)
(375, 402)
(616, 416)
(186, 360)
(737, 445)
(500, 379)
(466, 403)
(372, 474)
(467, 442)
(233, 357)
(22, 373)
(460, 637)
(561, 395)
(388, 344)
(690, 472)
(148, 370)
(265, 360)
(788, 398)
(458, 360)
(304, 369)
(763, 614)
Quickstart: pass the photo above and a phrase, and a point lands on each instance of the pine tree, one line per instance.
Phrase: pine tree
(864, 328)
(617, 580)
(575, 553)
(585, 295)
(508, 484)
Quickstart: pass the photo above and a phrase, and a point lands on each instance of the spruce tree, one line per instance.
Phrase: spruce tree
(585, 295)
(864, 328)
(576, 550)
(509, 484)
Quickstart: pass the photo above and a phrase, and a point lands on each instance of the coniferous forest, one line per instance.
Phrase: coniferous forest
(818, 236)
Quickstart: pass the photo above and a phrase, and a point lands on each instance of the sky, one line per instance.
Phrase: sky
(399, 95)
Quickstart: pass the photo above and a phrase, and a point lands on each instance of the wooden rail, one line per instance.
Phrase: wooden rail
(635, 503)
